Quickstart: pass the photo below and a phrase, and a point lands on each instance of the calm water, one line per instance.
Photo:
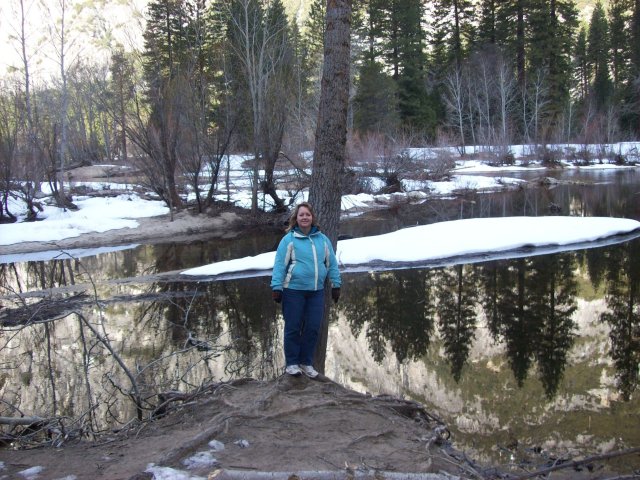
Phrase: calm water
(522, 357)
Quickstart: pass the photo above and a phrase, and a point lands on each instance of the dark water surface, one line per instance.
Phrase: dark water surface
(523, 358)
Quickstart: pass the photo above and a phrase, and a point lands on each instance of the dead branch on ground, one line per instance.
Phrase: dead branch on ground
(578, 463)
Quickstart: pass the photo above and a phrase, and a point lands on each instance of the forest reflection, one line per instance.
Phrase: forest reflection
(111, 344)
(527, 304)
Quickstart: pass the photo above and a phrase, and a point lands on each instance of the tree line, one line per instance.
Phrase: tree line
(224, 76)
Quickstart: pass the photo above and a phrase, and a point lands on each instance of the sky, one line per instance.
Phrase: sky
(93, 29)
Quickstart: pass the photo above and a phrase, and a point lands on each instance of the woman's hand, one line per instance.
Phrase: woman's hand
(277, 296)
(335, 294)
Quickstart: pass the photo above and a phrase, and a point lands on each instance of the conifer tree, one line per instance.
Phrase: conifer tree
(375, 102)
(395, 41)
(551, 26)
(487, 31)
(581, 64)
(620, 42)
(164, 30)
(598, 55)
(625, 93)
(313, 31)
(635, 40)
(453, 22)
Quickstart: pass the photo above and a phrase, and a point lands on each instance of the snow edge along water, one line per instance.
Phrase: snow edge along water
(448, 243)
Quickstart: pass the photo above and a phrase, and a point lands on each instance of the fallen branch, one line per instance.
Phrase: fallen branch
(577, 463)
(15, 421)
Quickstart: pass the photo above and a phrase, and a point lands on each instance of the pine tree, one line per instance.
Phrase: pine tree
(162, 38)
(375, 103)
(416, 105)
(331, 136)
(633, 96)
(551, 25)
(581, 64)
(598, 54)
(625, 94)
(487, 31)
(453, 23)
(635, 40)
(619, 21)
(314, 29)
(502, 24)
(395, 39)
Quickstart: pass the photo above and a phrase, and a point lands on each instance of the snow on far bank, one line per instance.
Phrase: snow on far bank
(110, 213)
(93, 215)
(449, 239)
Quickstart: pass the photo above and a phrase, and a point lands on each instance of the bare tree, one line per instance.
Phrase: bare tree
(455, 100)
(8, 148)
(259, 46)
(534, 100)
(506, 97)
(482, 95)
(158, 135)
(59, 34)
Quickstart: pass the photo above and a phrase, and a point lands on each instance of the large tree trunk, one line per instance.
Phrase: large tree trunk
(331, 137)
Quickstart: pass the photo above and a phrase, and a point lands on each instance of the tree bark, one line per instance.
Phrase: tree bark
(331, 137)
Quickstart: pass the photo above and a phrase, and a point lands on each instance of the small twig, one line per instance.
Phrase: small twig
(135, 395)
(369, 437)
(468, 468)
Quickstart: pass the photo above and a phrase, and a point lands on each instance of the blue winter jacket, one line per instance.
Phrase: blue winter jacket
(304, 261)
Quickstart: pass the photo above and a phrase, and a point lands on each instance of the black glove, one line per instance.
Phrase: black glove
(277, 296)
(335, 294)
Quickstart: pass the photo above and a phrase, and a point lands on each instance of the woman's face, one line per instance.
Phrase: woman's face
(304, 218)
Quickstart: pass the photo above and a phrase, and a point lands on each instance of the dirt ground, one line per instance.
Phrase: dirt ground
(247, 428)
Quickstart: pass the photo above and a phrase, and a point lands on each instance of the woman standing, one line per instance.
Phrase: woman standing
(304, 259)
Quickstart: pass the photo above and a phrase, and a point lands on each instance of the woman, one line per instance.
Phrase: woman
(304, 259)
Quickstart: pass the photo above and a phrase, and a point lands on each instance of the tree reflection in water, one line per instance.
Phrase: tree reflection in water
(528, 305)
(184, 335)
(623, 317)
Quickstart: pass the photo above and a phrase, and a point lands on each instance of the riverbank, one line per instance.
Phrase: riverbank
(286, 428)
(185, 226)
(249, 428)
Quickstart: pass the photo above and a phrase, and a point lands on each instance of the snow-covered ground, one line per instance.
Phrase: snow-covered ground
(107, 213)
(445, 240)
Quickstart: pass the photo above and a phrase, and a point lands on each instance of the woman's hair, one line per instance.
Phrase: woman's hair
(293, 218)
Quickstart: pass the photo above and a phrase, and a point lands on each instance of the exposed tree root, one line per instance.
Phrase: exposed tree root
(347, 473)
(578, 463)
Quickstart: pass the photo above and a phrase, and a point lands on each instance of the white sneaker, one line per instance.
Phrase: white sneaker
(293, 370)
(309, 371)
